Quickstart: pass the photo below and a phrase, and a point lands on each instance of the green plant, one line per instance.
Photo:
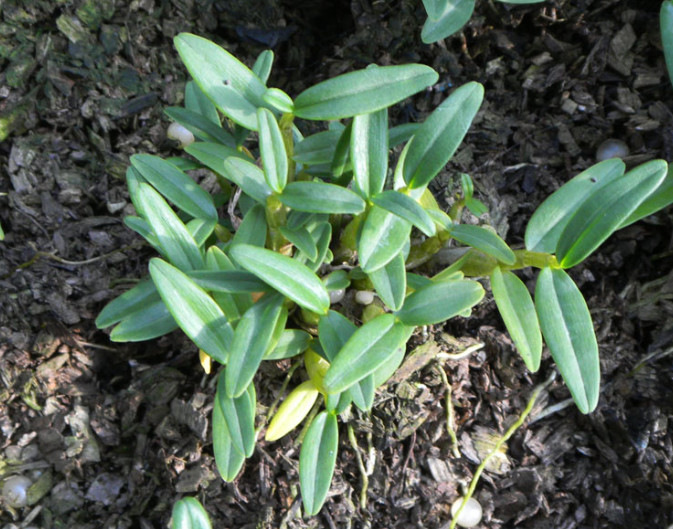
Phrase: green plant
(666, 27)
(325, 213)
(445, 17)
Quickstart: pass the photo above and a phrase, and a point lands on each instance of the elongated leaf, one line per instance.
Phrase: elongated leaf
(336, 280)
(253, 228)
(233, 305)
(196, 101)
(172, 235)
(252, 340)
(383, 236)
(569, 333)
(248, 177)
(601, 214)
(201, 229)
(317, 460)
(188, 513)
(286, 275)
(152, 321)
(127, 303)
(228, 460)
(442, 24)
(364, 352)
(230, 85)
(661, 198)
(484, 240)
(302, 240)
(320, 197)
(263, 64)
(407, 208)
(666, 27)
(292, 411)
(291, 343)
(341, 160)
(239, 414)
(272, 149)
(401, 133)
(518, 312)
(440, 301)
(440, 135)
(390, 282)
(434, 8)
(363, 91)
(369, 151)
(279, 100)
(322, 235)
(200, 126)
(212, 155)
(551, 217)
(229, 281)
(317, 148)
(194, 311)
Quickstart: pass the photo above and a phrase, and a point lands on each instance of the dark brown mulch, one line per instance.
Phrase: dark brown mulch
(115, 433)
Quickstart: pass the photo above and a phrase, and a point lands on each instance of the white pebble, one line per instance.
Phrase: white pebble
(364, 297)
(181, 134)
(470, 515)
(15, 491)
(612, 148)
(335, 296)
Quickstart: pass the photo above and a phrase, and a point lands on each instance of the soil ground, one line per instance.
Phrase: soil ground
(115, 433)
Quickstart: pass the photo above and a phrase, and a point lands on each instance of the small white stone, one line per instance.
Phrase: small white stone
(335, 296)
(364, 297)
(181, 134)
(15, 491)
(470, 515)
(612, 148)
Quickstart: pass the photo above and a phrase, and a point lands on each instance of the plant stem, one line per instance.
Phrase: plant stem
(449, 413)
(361, 466)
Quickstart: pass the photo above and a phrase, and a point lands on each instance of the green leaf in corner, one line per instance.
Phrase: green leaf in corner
(239, 414)
(317, 459)
(272, 150)
(195, 312)
(133, 300)
(390, 282)
(444, 23)
(320, 197)
(234, 89)
(365, 351)
(302, 240)
(287, 275)
(407, 208)
(363, 91)
(601, 214)
(518, 312)
(152, 321)
(228, 460)
(661, 198)
(369, 151)
(248, 177)
(440, 301)
(291, 343)
(252, 340)
(188, 513)
(666, 27)
(551, 217)
(263, 64)
(484, 240)
(383, 236)
(569, 332)
(440, 135)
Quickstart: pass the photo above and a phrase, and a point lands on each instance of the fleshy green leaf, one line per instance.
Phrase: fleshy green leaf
(248, 177)
(601, 214)
(172, 235)
(341, 160)
(401, 133)
(230, 85)
(279, 100)
(317, 459)
(196, 101)
(228, 460)
(194, 311)
(200, 126)
(239, 414)
(383, 236)
(320, 197)
(201, 229)
(483, 240)
(292, 411)
(127, 303)
(291, 343)
(228, 281)
(390, 282)
(317, 148)
(212, 155)
(150, 322)
(336, 280)
(272, 149)
(288, 276)
(233, 305)
(369, 151)
(263, 64)
(567, 328)
(440, 301)
(666, 27)
(551, 217)
(322, 235)
(364, 352)
(518, 312)
(440, 135)
(441, 24)
(434, 8)
(252, 340)
(188, 513)
(407, 208)
(661, 198)
(253, 227)
(302, 240)
(363, 91)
